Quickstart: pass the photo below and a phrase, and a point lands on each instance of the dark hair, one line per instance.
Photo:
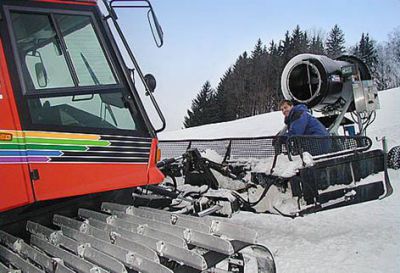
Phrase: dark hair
(288, 102)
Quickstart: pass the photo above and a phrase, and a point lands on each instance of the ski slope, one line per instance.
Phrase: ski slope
(363, 238)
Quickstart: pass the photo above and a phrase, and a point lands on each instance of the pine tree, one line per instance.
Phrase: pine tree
(275, 65)
(285, 48)
(366, 51)
(388, 68)
(393, 48)
(203, 108)
(335, 42)
(273, 48)
(222, 97)
(258, 81)
(317, 45)
(258, 50)
(370, 55)
(394, 44)
(299, 42)
(384, 73)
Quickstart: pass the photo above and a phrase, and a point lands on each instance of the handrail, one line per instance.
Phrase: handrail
(325, 146)
(114, 18)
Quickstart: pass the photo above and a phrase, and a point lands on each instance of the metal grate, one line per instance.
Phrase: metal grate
(321, 145)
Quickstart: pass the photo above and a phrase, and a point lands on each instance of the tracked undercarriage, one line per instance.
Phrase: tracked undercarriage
(122, 238)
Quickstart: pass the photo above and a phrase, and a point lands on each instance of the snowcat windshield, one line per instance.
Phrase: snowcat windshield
(66, 73)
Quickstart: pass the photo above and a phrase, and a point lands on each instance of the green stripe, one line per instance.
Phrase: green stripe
(42, 147)
(33, 140)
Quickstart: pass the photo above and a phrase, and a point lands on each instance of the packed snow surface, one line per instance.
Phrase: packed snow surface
(363, 238)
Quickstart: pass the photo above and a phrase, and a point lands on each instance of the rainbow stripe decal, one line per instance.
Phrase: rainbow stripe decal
(47, 147)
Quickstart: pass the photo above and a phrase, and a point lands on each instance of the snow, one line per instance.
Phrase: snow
(363, 238)
(260, 125)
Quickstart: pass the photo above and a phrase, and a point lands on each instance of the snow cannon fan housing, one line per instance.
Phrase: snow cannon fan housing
(326, 85)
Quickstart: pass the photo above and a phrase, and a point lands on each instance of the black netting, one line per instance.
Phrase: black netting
(219, 146)
(172, 148)
(253, 148)
(233, 148)
(265, 147)
(394, 158)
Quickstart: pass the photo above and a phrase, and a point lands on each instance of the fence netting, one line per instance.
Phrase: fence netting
(268, 146)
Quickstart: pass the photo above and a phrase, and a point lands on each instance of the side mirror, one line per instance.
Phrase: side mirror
(41, 74)
(155, 25)
(151, 82)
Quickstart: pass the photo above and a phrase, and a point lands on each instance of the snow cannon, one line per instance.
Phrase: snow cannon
(333, 87)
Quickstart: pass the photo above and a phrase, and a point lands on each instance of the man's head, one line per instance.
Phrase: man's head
(285, 106)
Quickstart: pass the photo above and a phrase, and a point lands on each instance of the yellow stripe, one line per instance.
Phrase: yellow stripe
(23, 134)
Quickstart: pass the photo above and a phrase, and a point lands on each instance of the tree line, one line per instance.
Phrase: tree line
(251, 85)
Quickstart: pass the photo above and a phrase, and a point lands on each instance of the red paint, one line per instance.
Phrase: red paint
(8, 110)
(15, 188)
(155, 176)
(58, 180)
(15, 184)
(71, 2)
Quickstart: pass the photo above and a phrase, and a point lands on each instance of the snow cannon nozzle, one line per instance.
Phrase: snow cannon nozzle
(326, 84)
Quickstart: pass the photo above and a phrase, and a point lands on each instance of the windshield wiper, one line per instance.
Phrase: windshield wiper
(97, 82)
(90, 70)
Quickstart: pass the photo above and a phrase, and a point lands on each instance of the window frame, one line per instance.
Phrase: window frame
(22, 95)
(76, 89)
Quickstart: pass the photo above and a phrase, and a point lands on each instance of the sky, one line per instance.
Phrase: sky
(203, 38)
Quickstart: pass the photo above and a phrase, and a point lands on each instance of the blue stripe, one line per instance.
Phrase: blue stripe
(30, 153)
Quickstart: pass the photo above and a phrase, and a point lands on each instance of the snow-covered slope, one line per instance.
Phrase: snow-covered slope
(363, 238)
(388, 117)
(260, 125)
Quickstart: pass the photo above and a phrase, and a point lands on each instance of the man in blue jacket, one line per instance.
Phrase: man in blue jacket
(300, 122)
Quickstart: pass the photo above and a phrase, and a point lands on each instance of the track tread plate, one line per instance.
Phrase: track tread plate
(102, 243)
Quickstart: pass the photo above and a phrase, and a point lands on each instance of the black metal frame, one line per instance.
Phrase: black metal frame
(112, 15)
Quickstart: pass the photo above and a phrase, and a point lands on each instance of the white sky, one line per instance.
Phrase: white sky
(204, 37)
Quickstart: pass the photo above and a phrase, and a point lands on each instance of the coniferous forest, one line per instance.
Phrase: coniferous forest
(251, 86)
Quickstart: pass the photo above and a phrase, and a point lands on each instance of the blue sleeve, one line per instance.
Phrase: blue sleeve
(298, 126)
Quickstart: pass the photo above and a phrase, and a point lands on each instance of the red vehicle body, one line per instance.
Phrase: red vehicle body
(71, 120)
